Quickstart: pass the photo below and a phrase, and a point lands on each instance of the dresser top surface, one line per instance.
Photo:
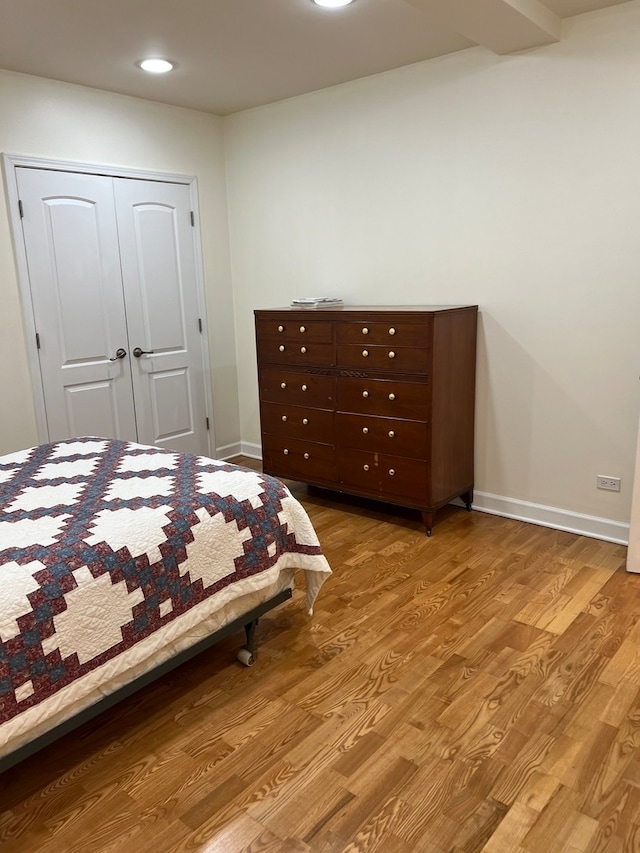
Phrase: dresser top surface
(358, 309)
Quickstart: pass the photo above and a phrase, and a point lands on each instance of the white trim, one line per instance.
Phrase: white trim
(228, 451)
(252, 450)
(15, 160)
(9, 164)
(531, 513)
(11, 187)
(239, 448)
(548, 516)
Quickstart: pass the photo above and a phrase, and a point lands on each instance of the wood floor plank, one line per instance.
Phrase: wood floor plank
(477, 690)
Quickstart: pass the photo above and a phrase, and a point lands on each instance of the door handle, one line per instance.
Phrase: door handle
(120, 353)
(138, 352)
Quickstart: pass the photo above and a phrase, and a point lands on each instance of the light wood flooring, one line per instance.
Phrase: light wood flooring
(478, 690)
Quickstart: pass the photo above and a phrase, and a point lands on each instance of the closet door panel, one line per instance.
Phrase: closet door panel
(71, 242)
(160, 286)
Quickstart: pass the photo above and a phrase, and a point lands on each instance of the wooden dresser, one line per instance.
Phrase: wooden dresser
(372, 401)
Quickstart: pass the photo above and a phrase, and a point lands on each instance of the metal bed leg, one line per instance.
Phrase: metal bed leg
(246, 655)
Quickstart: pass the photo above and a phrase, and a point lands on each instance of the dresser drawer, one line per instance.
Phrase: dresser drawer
(296, 331)
(297, 421)
(398, 359)
(297, 389)
(275, 351)
(297, 459)
(392, 334)
(385, 435)
(386, 397)
(379, 475)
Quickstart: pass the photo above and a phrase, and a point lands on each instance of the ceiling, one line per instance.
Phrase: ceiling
(231, 55)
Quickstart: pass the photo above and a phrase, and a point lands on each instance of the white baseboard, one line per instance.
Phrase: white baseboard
(227, 451)
(239, 448)
(548, 516)
(545, 516)
(253, 451)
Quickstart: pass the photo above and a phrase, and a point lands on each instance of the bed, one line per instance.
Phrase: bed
(118, 561)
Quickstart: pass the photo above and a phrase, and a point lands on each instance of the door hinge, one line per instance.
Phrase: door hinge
(38, 340)
(20, 208)
(193, 219)
(207, 420)
(200, 324)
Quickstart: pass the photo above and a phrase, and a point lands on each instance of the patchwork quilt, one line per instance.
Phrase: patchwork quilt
(115, 555)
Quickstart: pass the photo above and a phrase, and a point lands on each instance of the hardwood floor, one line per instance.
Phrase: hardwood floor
(478, 690)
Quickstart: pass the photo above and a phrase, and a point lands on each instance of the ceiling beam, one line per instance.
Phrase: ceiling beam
(503, 26)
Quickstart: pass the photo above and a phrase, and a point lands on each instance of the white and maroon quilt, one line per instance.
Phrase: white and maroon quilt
(115, 555)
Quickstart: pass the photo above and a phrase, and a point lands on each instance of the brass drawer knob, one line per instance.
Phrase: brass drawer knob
(392, 331)
(284, 417)
(281, 328)
(391, 433)
(304, 387)
(303, 350)
(281, 347)
(365, 393)
(283, 385)
(391, 472)
(365, 467)
(303, 329)
(392, 396)
(365, 353)
(306, 455)
(365, 430)
(365, 331)
(392, 354)
(305, 421)
(286, 452)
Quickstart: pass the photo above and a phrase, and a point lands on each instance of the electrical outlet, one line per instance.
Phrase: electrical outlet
(612, 484)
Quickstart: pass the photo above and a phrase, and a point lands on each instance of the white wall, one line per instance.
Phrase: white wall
(43, 118)
(512, 182)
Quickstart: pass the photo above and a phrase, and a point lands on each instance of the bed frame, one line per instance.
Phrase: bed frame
(246, 656)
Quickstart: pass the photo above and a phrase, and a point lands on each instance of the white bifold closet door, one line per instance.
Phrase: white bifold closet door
(112, 274)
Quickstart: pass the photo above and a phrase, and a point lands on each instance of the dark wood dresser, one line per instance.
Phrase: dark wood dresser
(372, 401)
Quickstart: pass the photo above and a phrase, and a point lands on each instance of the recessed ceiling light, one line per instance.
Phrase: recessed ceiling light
(156, 66)
(332, 4)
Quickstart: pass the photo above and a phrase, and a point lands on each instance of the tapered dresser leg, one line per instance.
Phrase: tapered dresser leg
(427, 520)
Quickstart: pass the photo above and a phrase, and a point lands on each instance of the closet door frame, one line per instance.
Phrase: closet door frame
(12, 161)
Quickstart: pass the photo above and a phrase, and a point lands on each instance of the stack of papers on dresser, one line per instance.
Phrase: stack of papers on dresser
(316, 302)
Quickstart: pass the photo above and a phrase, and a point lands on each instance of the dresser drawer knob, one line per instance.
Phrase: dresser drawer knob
(391, 433)
(392, 396)
(303, 350)
(365, 353)
(306, 455)
(303, 329)
(304, 387)
(365, 393)
(284, 417)
(392, 354)
(365, 331)
(365, 467)
(286, 452)
(305, 421)
(283, 385)
(281, 328)
(392, 472)
(392, 331)
(281, 347)
(365, 430)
